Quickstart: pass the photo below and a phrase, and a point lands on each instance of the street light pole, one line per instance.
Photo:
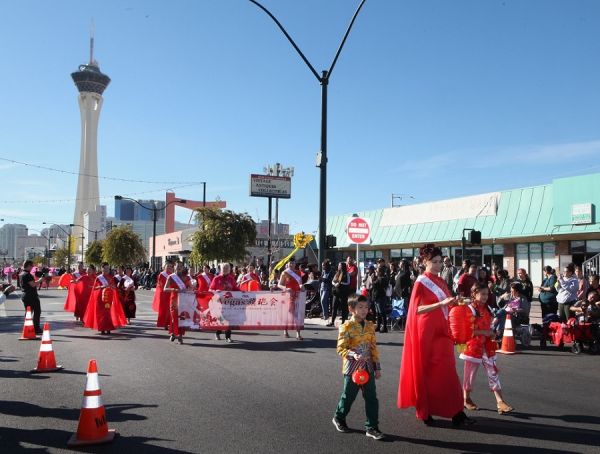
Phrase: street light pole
(322, 155)
(155, 211)
(154, 216)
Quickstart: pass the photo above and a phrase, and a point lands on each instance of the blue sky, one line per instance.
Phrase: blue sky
(433, 99)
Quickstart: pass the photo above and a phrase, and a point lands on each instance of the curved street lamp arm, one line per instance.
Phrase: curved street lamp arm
(292, 41)
(337, 54)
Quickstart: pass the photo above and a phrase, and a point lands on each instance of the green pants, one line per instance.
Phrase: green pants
(564, 311)
(371, 403)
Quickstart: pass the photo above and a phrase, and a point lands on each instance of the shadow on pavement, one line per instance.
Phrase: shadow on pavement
(535, 431)
(114, 413)
(11, 439)
(583, 419)
(291, 345)
(480, 448)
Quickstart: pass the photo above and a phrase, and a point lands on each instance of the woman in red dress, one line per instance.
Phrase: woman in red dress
(291, 281)
(176, 282)
(428, 379)
(127, 287)
(161, 300)
(104, 312)
(86, 281)
(74, 290)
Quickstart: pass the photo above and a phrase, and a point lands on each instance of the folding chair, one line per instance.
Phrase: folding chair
(398, 315)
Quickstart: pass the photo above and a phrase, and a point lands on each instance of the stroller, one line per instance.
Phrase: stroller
(521, 328)
(578, 334)
(313, 299)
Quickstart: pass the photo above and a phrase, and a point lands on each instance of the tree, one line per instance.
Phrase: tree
(61, 257)
(93, 253)
(123, 246)
(224, 235)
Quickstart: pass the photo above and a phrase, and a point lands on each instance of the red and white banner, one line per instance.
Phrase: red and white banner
(242, 310)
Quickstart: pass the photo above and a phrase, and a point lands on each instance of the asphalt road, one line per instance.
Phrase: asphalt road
(267, 394)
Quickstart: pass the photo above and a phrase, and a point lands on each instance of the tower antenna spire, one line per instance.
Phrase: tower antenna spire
(92, 32)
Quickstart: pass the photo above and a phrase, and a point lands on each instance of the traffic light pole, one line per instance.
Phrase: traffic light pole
(463, 244)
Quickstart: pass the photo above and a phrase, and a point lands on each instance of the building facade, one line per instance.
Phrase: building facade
(552, 224)
(13, 238)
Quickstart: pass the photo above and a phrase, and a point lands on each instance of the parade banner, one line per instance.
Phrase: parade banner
(242, 310)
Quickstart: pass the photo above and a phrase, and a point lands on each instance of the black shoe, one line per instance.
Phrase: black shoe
(217, 337)
(329, 324)
(429, 421)
(373, 432)
(340, 425)
(462, 420)
(39, 331)
(172, 338)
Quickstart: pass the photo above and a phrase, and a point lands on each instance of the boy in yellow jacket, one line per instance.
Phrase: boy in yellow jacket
(358, 348)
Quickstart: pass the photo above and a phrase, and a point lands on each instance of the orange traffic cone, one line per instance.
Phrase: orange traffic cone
(46, 359)
(28, 329)
(92, 428)
(508, 340)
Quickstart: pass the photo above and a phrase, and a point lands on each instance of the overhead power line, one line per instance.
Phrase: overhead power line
(21, 202)
(51, 169)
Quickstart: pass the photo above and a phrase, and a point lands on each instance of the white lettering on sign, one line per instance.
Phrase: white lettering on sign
(270, 186)
(358, 230)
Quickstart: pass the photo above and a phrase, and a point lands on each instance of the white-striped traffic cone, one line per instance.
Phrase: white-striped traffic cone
(508, 340)
(28, 329)
(46, 359)
(93, 428)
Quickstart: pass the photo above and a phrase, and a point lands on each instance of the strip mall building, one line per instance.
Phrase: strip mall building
(552, 224)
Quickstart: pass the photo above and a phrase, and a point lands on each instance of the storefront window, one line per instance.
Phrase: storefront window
(395, 253)
(592, 246)
(522, 256)
(577, 247)
(549, 251)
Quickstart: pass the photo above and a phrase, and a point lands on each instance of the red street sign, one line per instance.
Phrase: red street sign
(358, 230)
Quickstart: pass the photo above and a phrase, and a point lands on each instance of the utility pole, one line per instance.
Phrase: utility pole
(279, 171)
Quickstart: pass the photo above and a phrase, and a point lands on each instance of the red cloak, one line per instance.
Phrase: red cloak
(72, 294)
(428, 379)
(86, 282)
(104, 313)
(161, 300)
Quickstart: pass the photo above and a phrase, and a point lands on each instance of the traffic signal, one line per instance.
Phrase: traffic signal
(474, 237)
(330, 241)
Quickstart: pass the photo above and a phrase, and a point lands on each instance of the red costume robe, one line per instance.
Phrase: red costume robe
(176, 282)
(477, 345)
(73, 292)
(250, 283)
(204, 280)
(104, 311)
(161, 301)
(428, 379)
(87, 283)
(127, 287)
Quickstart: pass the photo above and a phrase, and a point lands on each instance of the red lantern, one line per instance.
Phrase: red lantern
(461, 325)
(360, 377)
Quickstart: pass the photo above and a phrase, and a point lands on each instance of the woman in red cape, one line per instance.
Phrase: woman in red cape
(291, 280)
(177, 282)
(428, 379)
(74, 289)
(85, 284)
(161, 300)
(104, 312)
